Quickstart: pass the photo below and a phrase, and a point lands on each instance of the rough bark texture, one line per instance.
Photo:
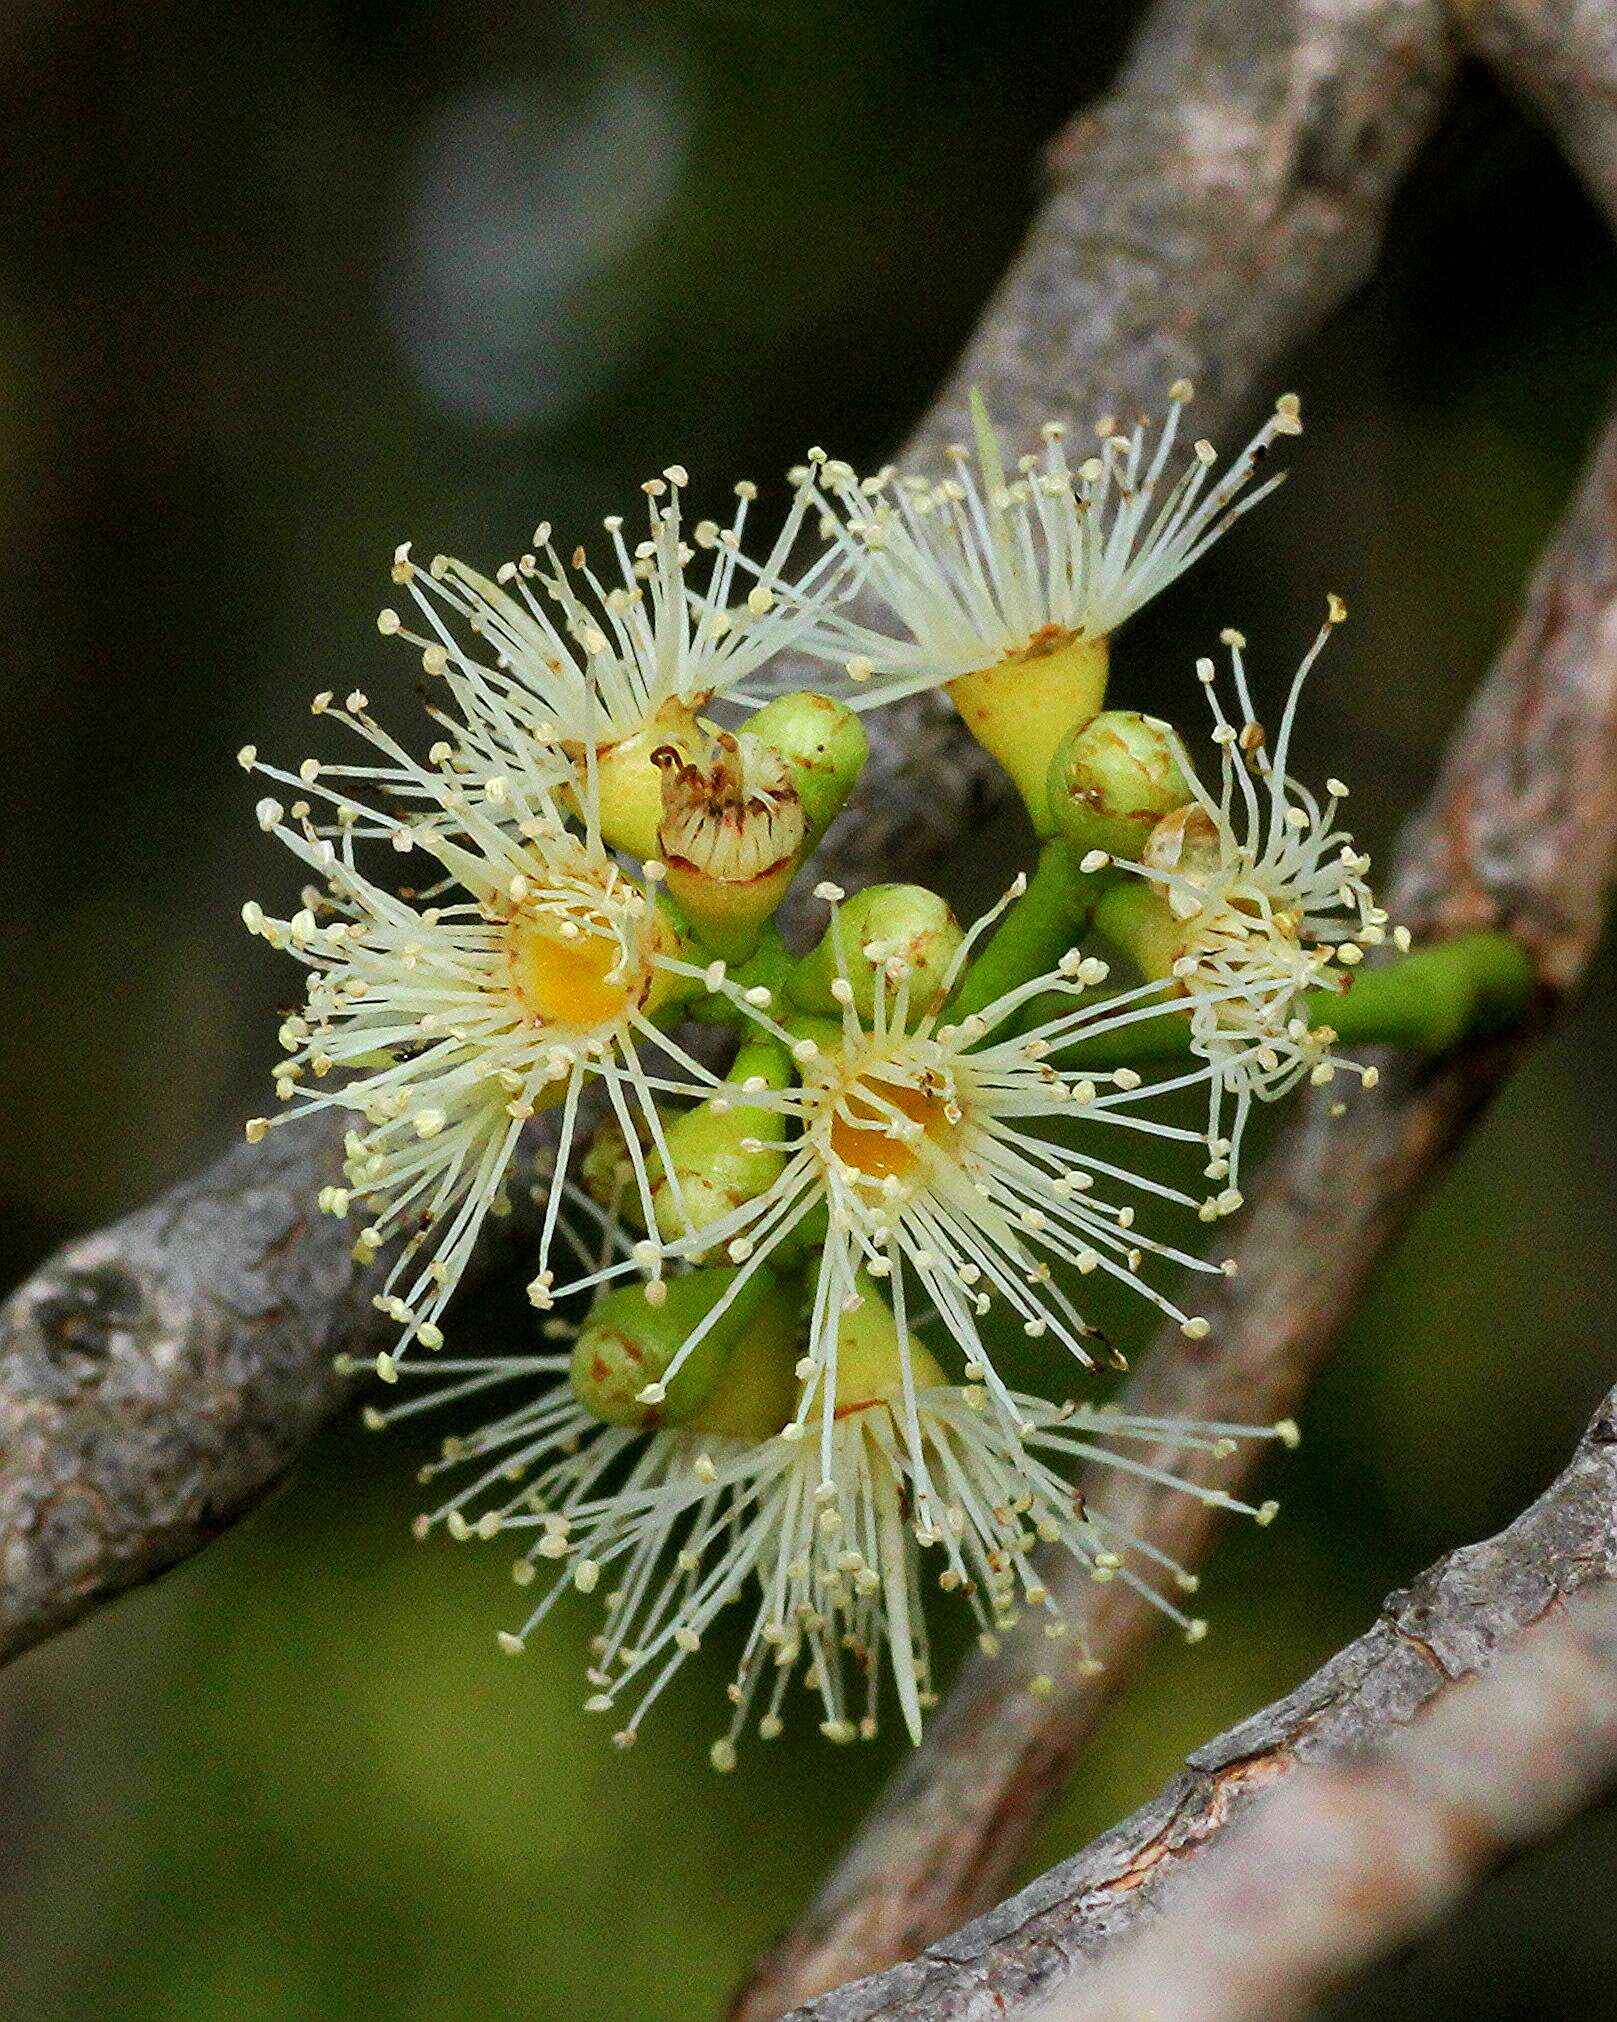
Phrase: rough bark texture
(1342, 1866)
(159, 1377)
(1451, 1623)
(1520, 834)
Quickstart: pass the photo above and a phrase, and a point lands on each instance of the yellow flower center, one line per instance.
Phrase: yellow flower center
(865, 1130)
(579, 979)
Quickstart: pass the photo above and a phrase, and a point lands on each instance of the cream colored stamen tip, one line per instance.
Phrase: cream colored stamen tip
(653, 1393)
(832, 894)
(1181, 391)
(1267, 1512)
(722, 1755)
(1195, 1329)
(1335, 609)
(1288, 1432)
(513, 1646)
(1196, 1631)
(1094, 860)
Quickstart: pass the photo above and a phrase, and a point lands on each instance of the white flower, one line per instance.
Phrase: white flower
(677, 1525)
(925, 1147)
(983, 568)
(592, 663)
(1268, 900)
(530, 965)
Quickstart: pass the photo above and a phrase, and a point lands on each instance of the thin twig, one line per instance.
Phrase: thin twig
(1449, 1625)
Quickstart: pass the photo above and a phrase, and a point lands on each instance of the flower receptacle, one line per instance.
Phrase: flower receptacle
(731, 834)
(1021, 709)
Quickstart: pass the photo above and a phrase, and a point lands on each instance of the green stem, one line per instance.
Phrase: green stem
(770, 964)
(1035, 933)
(1464, 988)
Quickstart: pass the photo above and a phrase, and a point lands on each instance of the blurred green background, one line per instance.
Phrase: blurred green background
(281, 284)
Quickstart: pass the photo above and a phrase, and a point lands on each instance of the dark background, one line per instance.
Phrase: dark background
(282, 284)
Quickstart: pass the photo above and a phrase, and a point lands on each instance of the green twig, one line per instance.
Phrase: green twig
(1465, 988)
(1035, 933)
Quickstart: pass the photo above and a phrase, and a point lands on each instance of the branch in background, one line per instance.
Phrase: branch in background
(158, 1378)
(1520, 835)
(1452, 1623)
(1560, 58)
(1343, 1866)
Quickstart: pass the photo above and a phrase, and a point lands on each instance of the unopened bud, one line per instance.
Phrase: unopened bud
(902, 934)
(723, 1153)
(824, 747)
(1114, 778)
(628, 1344)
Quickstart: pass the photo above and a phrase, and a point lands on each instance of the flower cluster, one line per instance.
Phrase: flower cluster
(804, 1217)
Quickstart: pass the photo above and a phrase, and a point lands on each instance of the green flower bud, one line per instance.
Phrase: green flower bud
(725, 1150)
(1113, 779)
(902, 929)
(731, 834)
(824, 746)
(628, 1343)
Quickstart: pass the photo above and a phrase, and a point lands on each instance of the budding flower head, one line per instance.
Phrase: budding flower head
(732, 834)
(626, 1346)
(1252, 899)
(1114, 778)
(1005, 584)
